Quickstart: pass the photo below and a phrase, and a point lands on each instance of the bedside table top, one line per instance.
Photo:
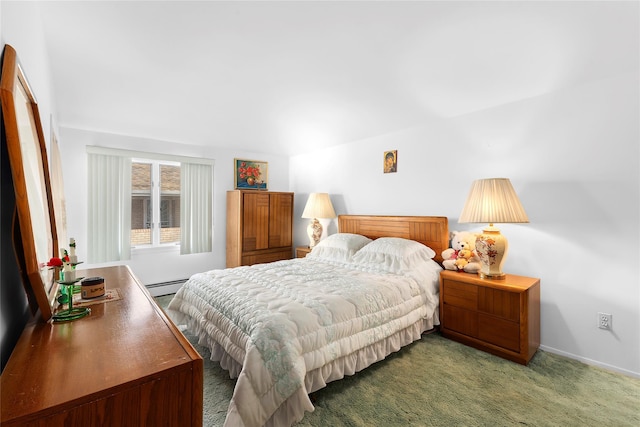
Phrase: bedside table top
(510, 280)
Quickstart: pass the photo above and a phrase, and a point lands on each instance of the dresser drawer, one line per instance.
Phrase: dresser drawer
(500, 303)
(461, 295)
(500, 332)
(270, 255)
(461, 320)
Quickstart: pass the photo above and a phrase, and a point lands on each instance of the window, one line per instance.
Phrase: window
(155, 202)
(147, 200)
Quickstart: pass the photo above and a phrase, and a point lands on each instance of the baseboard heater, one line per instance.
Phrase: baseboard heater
(165, 288)
(171, 283)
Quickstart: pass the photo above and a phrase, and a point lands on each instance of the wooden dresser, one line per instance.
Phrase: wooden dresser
(259, 227)
(126, 364)
(501, 317)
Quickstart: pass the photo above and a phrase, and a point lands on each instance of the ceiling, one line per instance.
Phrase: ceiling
(289, 77)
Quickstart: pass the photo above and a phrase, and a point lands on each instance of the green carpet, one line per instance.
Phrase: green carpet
(438, 382)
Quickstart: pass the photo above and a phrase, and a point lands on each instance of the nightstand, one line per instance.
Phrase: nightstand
(302, 251)
(501, 317)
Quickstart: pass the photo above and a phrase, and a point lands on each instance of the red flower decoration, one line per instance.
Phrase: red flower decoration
(55, 262)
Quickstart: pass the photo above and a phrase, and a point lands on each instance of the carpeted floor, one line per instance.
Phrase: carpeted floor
(438, 382)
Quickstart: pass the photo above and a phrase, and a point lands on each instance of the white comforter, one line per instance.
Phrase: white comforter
(287, 328)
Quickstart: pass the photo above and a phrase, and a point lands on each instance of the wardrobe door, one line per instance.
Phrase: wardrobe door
(280, 220)
(255, 220)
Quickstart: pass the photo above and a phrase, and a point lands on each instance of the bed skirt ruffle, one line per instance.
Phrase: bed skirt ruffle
(293, 409)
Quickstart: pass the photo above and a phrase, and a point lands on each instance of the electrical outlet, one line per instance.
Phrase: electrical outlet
(604, 321)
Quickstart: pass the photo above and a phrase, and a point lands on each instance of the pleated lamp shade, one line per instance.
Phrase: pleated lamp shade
(492, 201)
(318, 206)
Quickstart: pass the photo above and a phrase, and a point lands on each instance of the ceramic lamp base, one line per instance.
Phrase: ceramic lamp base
(314, 231)
(492, 248)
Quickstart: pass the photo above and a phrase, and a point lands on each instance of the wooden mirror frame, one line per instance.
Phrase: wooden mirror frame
(30, 171)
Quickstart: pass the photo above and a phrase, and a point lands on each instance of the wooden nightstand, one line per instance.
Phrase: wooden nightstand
(302, 251)
(501, 317)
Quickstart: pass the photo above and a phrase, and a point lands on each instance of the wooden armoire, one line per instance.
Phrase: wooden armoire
(259, 227)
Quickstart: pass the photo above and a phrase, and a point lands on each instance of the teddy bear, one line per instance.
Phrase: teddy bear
(461, 256)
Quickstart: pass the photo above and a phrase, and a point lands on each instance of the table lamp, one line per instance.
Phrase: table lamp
(494, 201)
(318, 206)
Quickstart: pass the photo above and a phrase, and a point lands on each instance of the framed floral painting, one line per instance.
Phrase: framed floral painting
(250, 174)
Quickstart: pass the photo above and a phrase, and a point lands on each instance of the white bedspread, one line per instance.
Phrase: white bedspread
(287, 328)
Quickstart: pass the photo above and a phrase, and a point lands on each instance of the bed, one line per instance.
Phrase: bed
(286, 329)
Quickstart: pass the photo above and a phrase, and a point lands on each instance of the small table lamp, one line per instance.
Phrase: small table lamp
(318, 206)
(492, 200)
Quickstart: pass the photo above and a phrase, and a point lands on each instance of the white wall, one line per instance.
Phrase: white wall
(157, 265)
(573, 158)
(21, 27)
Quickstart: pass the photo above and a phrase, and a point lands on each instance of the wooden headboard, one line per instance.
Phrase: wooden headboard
(432, 231)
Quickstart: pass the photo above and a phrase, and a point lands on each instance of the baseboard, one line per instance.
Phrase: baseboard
(165, 288)
(590, 361)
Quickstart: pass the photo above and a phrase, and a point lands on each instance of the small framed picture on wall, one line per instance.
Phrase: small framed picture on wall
(390, 164)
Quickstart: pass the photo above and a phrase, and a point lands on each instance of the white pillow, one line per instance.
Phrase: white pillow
(339, 247)
(394, 254)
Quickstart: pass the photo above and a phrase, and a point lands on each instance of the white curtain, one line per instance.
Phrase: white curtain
(109, 197)
(196, 217)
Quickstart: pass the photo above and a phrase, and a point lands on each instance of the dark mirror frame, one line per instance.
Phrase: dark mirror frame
(30, 170)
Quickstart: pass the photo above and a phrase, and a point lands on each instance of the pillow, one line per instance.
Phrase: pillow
(393, 254)
(339, 247)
